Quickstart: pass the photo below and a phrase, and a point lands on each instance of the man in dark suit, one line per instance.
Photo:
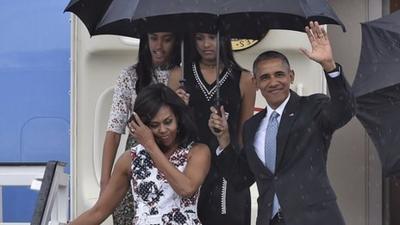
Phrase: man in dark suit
(286, 144)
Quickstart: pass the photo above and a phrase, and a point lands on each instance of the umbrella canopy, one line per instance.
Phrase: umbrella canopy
(380, 55)
(258, 16)
(379, 113)
(134, 17)
(377, 88)
(230, 17)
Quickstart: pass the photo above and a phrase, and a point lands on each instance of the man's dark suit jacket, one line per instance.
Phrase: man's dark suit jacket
(300, 180)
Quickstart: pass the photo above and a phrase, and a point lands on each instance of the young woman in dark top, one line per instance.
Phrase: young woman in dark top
(219, 202)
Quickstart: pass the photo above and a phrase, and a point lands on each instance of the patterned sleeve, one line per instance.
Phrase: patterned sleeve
(122, 103)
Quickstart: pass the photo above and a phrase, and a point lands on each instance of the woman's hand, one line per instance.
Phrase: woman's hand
(141, 133)
(183, 95)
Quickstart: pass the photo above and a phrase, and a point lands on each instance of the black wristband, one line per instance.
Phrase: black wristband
(337, 69)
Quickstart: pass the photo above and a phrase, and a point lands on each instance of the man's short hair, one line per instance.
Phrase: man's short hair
(267, 55)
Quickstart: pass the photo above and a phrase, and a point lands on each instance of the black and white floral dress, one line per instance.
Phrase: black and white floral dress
(155, 201)
(121, 109)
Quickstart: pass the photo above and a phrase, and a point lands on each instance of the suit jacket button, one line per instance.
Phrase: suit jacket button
(276, 178)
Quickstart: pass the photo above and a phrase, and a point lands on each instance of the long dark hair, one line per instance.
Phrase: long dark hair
(145, 65)
(225, 52)
(153, 97)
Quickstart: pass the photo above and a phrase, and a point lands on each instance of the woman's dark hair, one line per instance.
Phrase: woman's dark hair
(225, 51)
(144, 65)
(153, 97)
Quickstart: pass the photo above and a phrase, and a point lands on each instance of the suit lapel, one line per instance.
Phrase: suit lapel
(289, 116)
(253, 126)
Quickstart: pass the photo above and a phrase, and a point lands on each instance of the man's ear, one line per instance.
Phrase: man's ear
(254, 81)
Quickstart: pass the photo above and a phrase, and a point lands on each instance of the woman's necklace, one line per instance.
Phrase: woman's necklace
(209, 93)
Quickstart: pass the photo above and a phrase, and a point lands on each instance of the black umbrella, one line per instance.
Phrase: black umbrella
(235, 18)
(377, 88)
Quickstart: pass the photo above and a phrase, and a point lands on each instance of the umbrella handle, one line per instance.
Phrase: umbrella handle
(182, 82)
(217, 106)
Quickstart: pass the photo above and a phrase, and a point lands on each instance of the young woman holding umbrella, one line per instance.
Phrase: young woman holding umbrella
(219, 202)
(166, 168)
(158, 57)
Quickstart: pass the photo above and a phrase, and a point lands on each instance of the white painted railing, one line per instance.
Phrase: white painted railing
(52, 205)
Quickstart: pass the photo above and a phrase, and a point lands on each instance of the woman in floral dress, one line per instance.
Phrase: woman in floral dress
(165, 169)
(158, 57)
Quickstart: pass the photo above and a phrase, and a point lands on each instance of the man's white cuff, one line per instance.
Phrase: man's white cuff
(335, 72)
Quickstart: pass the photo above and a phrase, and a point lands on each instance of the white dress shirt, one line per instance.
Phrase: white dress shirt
(259, 139)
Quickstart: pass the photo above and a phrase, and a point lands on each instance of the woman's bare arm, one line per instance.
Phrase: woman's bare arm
(110, 147)
(248, 93)
(112, 194)
(188, 182)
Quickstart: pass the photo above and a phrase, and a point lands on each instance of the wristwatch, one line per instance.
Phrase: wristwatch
(337, 69)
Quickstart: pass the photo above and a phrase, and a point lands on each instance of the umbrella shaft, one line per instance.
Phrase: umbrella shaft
(182, 80)
(217, 94)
